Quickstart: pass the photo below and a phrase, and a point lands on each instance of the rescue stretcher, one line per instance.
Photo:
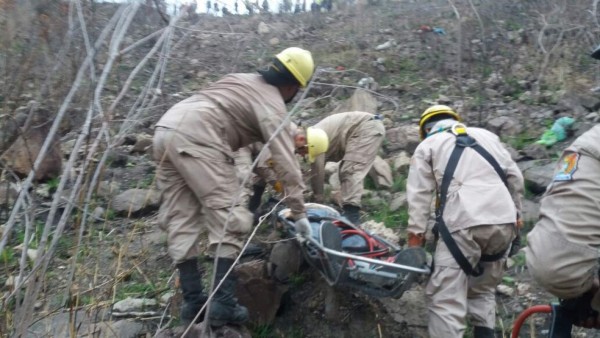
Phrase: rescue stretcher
(346, 255)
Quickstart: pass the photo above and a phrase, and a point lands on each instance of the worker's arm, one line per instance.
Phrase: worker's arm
(285, 164)
(516, 185)
(420, 189)
(317, 178)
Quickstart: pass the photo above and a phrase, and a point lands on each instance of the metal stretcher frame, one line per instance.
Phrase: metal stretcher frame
(372, 276)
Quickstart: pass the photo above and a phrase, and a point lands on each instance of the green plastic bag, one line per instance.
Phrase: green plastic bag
(558, 132)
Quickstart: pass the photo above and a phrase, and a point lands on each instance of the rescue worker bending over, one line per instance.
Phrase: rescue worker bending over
(562, 249)
(479, 199)
(194, 143)
(354, 138)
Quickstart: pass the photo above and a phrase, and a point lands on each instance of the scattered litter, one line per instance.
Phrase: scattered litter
(558, 132)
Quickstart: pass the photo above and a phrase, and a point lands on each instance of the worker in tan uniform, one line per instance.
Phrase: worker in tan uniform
(194, 143)
(562, 248)
(355, 139)
(479, 189)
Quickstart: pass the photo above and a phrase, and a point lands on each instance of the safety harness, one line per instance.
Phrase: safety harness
(463, 141)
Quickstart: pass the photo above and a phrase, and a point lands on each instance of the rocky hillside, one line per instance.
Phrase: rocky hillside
(84, 82)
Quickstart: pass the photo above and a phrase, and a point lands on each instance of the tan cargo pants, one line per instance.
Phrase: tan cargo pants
(198, 185)
(452, 295)
(361, 151)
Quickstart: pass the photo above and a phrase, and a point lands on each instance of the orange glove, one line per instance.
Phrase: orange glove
(519, 223)
(278, 187)
(415, 240)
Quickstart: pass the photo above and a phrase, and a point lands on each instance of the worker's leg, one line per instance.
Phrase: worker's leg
(180, 216)
(446, 290)
(361, 150)
(481, 297)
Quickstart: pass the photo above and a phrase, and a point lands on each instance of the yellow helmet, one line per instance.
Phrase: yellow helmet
(299, 62)
(432, 111)
(317, 142)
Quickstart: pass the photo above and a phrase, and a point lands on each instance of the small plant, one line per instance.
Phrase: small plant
(8, 256)
(262, 331)
(399, 183)
(135, 289)
(109, 215)
(296, 280)
(519, 259)
(295, 333)
(391, 219)
(519, 141)
(53, 184)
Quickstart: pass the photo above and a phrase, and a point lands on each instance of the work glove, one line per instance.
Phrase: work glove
(415, 240)
(278, 187)
(303, 227)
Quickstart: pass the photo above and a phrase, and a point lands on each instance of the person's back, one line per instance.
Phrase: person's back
(477, 194)
(339, 128)
(562, 248)
(196, 174)
(354, 139)
(476, 216)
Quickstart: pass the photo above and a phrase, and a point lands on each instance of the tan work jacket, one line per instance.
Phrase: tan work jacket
(234, 112)
(476, 195)
(339, 128)
(571, 203)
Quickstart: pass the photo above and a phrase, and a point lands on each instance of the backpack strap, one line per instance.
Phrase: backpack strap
(463, 141)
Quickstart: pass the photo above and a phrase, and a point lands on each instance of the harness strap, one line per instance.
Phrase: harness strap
(463, 141)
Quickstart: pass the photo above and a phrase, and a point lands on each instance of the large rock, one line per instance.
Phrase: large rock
(411, 308)
(331, 168)
(334, 181)
(136, 201)
(504, 126)
(129, 305)
(263, 28)
(21, 155)
(403, 138)
(589, 102)
(259, 293)
(284, 260)
(538, 174)
(81, 323)
(536, 151)
(361, 100)
(381, 173)
(398, 201)
(401, 162)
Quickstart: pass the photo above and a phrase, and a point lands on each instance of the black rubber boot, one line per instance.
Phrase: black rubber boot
(352, 213)
(194, 298)
(224, 308)
(483, 332)
(561, 320)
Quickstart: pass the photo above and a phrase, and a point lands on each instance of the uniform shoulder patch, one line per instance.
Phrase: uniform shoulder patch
(567, 165)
